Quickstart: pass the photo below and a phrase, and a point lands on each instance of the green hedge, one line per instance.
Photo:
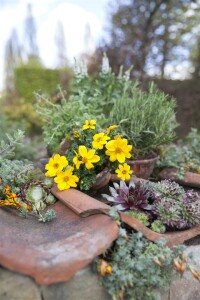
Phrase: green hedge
(33, 79)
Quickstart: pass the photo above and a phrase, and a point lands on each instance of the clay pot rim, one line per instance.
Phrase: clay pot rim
(143, 161)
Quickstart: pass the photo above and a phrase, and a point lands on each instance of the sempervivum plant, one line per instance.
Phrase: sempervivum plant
(167, 188)
(132, 197)
(191, 208)
(165, 203)
(174, 207)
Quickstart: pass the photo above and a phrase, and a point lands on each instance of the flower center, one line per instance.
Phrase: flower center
(56, 165)
(66, 178)
(124, 172)
(118, 150)
(84, 159)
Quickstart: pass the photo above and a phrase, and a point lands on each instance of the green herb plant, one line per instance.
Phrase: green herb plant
(89, 98)
(135, 268)
(145, 118)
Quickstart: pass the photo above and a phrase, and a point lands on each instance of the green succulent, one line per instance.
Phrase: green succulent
(36, 195)
(142, 217)
(158, 226)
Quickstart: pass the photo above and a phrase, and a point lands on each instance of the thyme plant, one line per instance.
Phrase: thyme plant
(135, 268)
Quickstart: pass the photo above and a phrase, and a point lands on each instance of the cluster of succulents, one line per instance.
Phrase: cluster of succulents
(174, 207)
(166, 204)
(22, 186)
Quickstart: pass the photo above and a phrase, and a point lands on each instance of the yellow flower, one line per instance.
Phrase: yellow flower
(11, 200)
(12, 197)
(104, 268)
(77, 134)
(99, 140)
(55, 165)
(89, 124)
(124, 172)
(76, 161)
(111, 128)
(66, 179)
(6, 189)
(88, 157)
(118, 149)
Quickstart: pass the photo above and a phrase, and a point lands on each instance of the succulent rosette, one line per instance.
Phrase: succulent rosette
(131, 197)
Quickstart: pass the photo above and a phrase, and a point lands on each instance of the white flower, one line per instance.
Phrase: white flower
(105, 65)
(80, 70)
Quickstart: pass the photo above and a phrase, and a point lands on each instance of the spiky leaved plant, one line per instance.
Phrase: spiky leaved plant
(191, 208)
(132, 197)
(164, 202)
(174, 207)
(167, 188)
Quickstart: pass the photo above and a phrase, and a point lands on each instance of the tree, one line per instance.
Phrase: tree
(31, 49)
(193, 23)
(146, 33)
(61, 45)
(12, 60)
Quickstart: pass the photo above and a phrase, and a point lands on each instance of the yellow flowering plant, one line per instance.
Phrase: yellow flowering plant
(92, 150)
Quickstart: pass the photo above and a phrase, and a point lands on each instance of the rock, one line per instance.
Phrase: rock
(187, 287)
(14, 286)
(84, 286)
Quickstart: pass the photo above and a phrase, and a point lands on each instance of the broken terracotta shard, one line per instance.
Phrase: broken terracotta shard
(53, 252)
(85, 205)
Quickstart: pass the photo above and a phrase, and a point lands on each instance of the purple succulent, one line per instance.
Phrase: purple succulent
(132, 197)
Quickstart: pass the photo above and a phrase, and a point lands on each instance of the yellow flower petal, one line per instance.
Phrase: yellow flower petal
(55, 165)
(82, 150)
(124, 172)
(118, 149)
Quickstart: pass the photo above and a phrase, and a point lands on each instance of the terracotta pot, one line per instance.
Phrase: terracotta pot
(64, 146)
(102, 179)
(143, 168)
(189, 179)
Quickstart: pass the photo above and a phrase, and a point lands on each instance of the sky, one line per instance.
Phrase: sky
(74, 15)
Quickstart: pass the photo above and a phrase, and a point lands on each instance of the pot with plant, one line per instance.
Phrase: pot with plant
(93, 154)
(180, 161)
(164, 208)
(147, 120)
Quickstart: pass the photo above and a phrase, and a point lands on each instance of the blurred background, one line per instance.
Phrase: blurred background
(41, 39)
